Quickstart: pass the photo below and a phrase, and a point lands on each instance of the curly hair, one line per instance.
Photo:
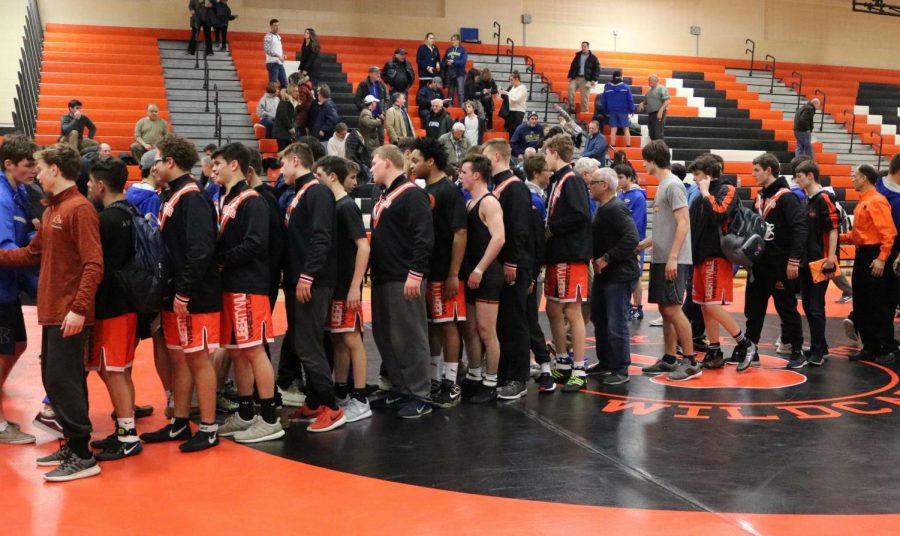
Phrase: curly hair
(181, 150)
(62, 156)
(432, 149)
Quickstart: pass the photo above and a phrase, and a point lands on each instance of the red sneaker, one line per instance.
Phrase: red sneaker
(304, 414)
(328, 420)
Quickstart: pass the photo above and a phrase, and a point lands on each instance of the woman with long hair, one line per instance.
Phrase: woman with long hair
(284, 129)
(485, 89)
(309, 56)
(518, 102)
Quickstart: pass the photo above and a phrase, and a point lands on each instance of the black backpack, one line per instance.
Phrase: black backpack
(145, 279)
(746, 238)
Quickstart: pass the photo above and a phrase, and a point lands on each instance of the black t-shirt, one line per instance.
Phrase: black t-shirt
(116, 229)
(821, 218)
(350, 228)
(448, 210)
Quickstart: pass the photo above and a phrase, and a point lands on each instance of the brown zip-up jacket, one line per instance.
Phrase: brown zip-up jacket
(68, 249)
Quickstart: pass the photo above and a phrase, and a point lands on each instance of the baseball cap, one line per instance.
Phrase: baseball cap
(400, 51)
(375, 68)
(370, 99)
(148, 159)
(533, 114)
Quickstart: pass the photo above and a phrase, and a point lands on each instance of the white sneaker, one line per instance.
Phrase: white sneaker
(234, 424)
(260, 431)
(850, 330)
(292, 396)
(356, 410)
(657, 323)
(783, 348)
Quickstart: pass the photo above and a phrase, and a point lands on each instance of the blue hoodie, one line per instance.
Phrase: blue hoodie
(526, 136)
(145, 200)
(617, 99)
(636, 201)
(14, 233)
(892, 192)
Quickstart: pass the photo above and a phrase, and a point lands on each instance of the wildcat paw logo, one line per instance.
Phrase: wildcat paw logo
(769, 392)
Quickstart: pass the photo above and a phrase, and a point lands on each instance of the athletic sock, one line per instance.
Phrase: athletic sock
(739, 338)
(670, 359)
(341, 390)
(450, 371)
(474, 374)
(490, 380)
(245, 408)
(578, 368)
(359, 395)
(715, 346)
(267, 410)
(545, 368)
(79, 445)
(436, 367)
(125, 431)
(3, 426)
(692, 358)
(209, 428)
(563, 362)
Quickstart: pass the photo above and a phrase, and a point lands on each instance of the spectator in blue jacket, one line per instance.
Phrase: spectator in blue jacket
(327, 116)
(143, 195)
(635, 198)
(596, 146)
(427, 93)
(618, 104)
(428, 60)
(18, 169)
(528, 134)
(455, 59)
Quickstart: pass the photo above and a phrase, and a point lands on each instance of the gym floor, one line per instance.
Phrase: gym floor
(769, 451)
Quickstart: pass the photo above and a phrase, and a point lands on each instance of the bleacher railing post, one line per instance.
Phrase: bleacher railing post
(772, 85)
(497, 35)
(511, 51)
(852, 127)
(529, 68)
(752, 51)
(880, 147)
(546, 91)
(799, 86)
(822, 118)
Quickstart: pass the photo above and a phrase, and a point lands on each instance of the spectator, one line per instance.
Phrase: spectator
(148, 131)
(307, 106)
(596, 147)
(285, 115)
(635, 198)
(619, 105)
(103, 152)
(72, 127)
(471, 94)
(600, 115)
(529, 134)
(803, 127)
(275, 55)
(428, 60)
(615, 270)
(143, 195)
(473, 124)
(398, 73)
(335, 145)
(267, 108)
(439, 121)
(201, 19)
(369, 123)
(873, 235)
(397, 121)
(655, 103)
(327, 117)
(455, 59)
(356, 150)
(221, 17)
(518, 102)
(455, 144)
(583, 74)
(485, 89)
(569, 126)
(425, 95)
(309, 56)
(375, 87)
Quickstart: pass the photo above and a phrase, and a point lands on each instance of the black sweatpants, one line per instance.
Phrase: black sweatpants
(770, 280)
(306, 334)
(400, 330)
(537, 341)
(62, 372)
(207, 36)
(289, 369)
(513, 331)
(873, 303)
(813, 296)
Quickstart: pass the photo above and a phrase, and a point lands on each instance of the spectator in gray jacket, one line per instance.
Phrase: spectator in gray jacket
(267, 108)
(455, 144)
(72, 127)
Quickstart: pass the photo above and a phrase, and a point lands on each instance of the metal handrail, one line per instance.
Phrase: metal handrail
(546, 91)
(880, 147)
(29, 75)
(497, 35)
(798, 87)
(217, 126)
(511, 52)
(206, 81)
(529, 68)
(822, 118)
(772, 86)
(752, 52)
(852, 127)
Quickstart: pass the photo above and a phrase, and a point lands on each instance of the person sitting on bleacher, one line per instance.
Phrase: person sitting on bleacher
(103, 152)
(439, 121)
(528, 134)
(455, 144)
(72, 127)
(596, 146)
(267, 108)
(426, 94)
(148, 131)
(335, 146)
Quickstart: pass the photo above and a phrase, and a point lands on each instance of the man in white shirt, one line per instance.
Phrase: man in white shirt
(275, 55)
(336, 142)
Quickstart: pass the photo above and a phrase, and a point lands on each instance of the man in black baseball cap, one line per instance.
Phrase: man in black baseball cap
(398, 73)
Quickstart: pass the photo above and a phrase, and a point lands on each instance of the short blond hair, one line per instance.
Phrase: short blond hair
(499, 146)
(392, 154)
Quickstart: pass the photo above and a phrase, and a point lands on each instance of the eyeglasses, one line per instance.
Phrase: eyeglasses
(594, 182)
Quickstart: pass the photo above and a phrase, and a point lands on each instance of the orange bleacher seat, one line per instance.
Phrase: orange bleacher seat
(268, 147)
(260, 131)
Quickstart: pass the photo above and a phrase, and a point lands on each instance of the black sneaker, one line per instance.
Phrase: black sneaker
(735, 358)
(200, 441)
(748, 355)
(49, 422)
(448, 395)
(701, 344)
(660, 367)
(469, 388)
(482, 394)
(815, 360)
(391, 400)
(120, 450)
(106, 442)
(616, 378)
(435, 388)
(575, 384)
(862, 355)
(713, 359)
(561, 375)
(167, 433)
(597, 370)
(885, 359)
(797, 361)
(513, 390)
(545, 383)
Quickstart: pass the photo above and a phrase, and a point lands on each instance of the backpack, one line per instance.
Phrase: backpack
(145, 279)
(746, 238)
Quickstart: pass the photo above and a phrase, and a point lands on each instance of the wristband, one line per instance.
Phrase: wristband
(478, 271)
